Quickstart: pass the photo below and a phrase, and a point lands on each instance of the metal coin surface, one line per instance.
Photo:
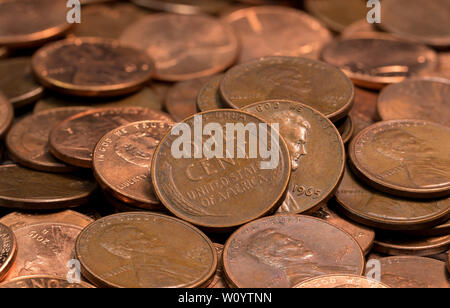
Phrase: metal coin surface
(421, 99)
(122, 161)
(208, 97)
(408, 158)
(219, 281)
(22, 23)
(73, 140)
(315, 173)
(221, 193)
(296, 79)
(185, 6)
(184, 46)
(346, 128)
(341, 282)
(39, 190)
(27, 141)
(17, 82)
(277, 31)
(145, 250)
(439, 230)
(376, 209)
(397, 244)
(43, 282)
(6, 115)
(92, 67)
(284, 250)
(376, 62)
(364, 111)
(360, 28)
(8, 249)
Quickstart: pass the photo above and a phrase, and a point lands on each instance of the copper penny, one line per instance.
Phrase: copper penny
(185, 6)
(439, 230)
(43, 282)
(184, 46)
(6, 115)
(219, 281)
(284, 250)
(404, 157)
(145, 250)
(315, 173)
(27, 23)
(208, 97)
(8, 249)
(346, 128)
(341, 282)
(277, 31)
(92, 67)
(122, 161)
(27, 141)
(376, 62)
(17, 82)
(296, 79)
(376, 209)
(28, 189)
(421, 99)
(221, 193)
(364, 111)
(414, 272)
(73, 140)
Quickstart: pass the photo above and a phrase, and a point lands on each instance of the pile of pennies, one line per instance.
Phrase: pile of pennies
(360, 194)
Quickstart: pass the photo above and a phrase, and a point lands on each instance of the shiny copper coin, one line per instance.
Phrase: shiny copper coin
(6, 115)
(208, 97)
(376, 62)
(404, 157)
(397, 244)
(282, 251)
(28, 189)
(364, 111)
(341, 282)
(185, 6)
(144, 250)
(219, 281)
(92, 67)
(376, 209)
(43, 282)
(8, 249)
(184, 46)
(221, 193)
(277, 31)
(73, 140)
(17, 82)
(315, 173)
(297, 79)
(421, 99)
(27, 141)
(27, 23)
(122, 161)
(346, 128)
(414, 272)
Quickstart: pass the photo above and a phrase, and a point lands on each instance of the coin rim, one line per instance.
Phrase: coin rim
(375, 282)
(81, 283)
(7, 265)
(9, 118)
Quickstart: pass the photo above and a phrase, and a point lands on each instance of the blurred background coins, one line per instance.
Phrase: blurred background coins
(6, 115)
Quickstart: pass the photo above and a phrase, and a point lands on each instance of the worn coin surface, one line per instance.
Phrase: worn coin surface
(208, 97)
(144, 250)
(219, 281)
(27, 141)
(296, 79)
(284, 250)
(277, 31)
(408, 158)
(397, 244)
(43, 282)
(376, 62)
(421, 99)
(184, 46)
(8, 249)
(219, 190)
(185, 6)
(73, 140)
(315, 173)
(39, 190)
(6, 115)
(122, 161)
(92, 67)
(376, 209)
(341, 282)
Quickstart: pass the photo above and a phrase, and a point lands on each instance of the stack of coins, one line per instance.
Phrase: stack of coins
(113, 172)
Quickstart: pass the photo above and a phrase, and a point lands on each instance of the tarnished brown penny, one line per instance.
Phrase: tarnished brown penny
(277, 31)
(43, 282)
(208, 97)
(8, 249)
(421, 99)
(404, 157)
(6, 115)
(122, 161)
(17, 82)
(426, 22)
(346, 128)
(376, 209)
(414, 272)
(376, 62)
(296, 79)
(364, 111)
(92, 67)
(73, 140)
(184, 46)
(219, 281)
(185, 6)
(221, 193)
(28, 189)
(315, 173)
(341, 282)
(144, 250)
(27, 23)
(284, 250)
(27, 141)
